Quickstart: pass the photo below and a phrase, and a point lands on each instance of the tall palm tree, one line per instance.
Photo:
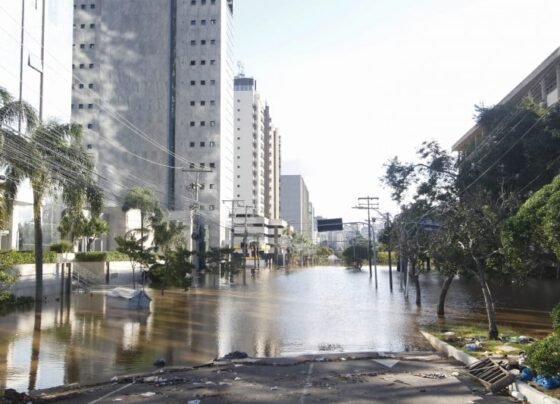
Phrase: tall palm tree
(49, 154)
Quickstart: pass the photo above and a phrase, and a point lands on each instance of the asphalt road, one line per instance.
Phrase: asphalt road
(423, 377)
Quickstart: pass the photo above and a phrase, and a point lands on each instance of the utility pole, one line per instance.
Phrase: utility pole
(194, 222)
(371, 202)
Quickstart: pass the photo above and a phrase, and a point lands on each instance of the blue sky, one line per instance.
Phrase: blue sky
(352, 83)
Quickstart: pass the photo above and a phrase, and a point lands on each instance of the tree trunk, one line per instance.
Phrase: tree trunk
(443, 295)
(38, 245)
(416, 277)
(488, 301)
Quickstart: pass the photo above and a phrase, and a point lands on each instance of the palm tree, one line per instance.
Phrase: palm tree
(49, 154)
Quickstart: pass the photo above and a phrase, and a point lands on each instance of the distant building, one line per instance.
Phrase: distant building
(153, 85)
(36, 48)
(295, 206)
(542, 85)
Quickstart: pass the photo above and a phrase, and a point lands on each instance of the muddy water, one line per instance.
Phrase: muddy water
(326, 309)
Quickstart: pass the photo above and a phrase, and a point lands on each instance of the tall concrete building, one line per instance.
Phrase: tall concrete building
(257, 164)
(153, 85)
(295, 206)
(36, 49)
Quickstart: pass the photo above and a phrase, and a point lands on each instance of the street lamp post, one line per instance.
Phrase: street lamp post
(370, 203)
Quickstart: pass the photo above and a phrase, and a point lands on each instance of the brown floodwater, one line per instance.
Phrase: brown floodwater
(276, 313)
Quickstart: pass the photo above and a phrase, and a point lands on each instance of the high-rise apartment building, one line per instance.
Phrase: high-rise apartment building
(36, 49)
(272, 168)
(249, 182)
(153, 85)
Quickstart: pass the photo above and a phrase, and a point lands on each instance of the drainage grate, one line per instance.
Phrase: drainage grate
(492, 376)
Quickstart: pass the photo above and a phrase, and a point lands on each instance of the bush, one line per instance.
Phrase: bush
(383, 258)
(555, 315)
(61, 247)
(101, 256)
(10, 258)
(543, 356)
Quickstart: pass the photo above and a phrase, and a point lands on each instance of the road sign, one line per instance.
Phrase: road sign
(329, 224)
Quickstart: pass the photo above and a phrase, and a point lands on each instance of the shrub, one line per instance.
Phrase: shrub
(61, 247)
(101, 256)
(544, 356)
(555, 315)
(10, 258)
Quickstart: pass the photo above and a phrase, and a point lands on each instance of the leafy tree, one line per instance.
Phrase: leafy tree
(356, 254)
(145, 201)
(133, 247)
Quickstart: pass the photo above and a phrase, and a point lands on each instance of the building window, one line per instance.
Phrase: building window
(202, 82)
(212, 42)
(203, 62)
(203, 2)
(82, 65)
(191, 144)
(202, 123)
(211, 144)
(202, 22)
(212, 102)
(191, 165)
(213, 2)
(212, 82)
(212, 123)
(90, 125)
(192, 123)
(193, 42)
(202, 165)
(212, 165)
(91, 65)
(202, 144)
(193, 63)
(71, 106)
(193, 2)
(90, 85)
(193, 22)
(193, 83)
(213, 62)
(90, 106)
(213, 21)
(92, 26)
(202, 103)
(82, 26)
(89, 146)
(211, 207)
(91, 45)
(81, 85)
(211, 186)
(83, 6)
(203, 41)
(82, 46)
(81, 106)
(92, 6)
(192, 103)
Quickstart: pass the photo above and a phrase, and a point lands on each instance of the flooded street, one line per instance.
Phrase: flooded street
(278, 313)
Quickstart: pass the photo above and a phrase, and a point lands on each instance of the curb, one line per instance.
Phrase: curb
(531, 394)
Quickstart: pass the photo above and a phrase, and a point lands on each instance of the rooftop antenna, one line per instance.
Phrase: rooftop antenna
(240, 69)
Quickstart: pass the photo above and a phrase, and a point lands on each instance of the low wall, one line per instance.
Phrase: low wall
(25, 285)
(111, 273)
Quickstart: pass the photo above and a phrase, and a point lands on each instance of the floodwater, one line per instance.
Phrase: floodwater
(322, 309)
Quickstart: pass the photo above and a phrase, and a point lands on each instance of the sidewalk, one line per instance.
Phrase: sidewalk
(423, 377)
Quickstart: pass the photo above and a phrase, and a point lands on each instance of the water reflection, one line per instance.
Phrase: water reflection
(275, 313)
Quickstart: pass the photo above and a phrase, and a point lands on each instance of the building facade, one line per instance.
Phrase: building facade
(542, 85)
(153, 85)
(36, 48)
(295, 206)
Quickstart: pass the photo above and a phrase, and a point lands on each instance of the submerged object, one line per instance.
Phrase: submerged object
(126, 298)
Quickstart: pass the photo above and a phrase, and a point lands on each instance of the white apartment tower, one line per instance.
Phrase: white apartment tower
(153, 85)
(257, 151)
(249, 182)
